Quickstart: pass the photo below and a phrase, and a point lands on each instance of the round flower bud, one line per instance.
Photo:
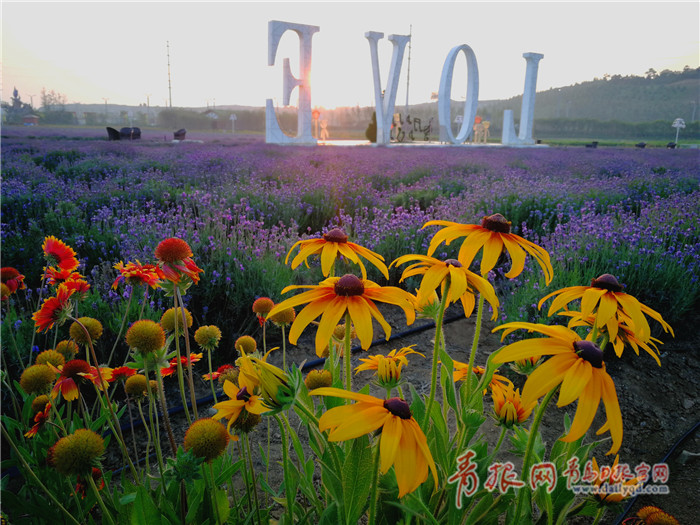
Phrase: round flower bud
(230, 374)
(37, 379)
(285, 317)
(173, 250)
(245, 422)
(67, 348)
(75, 453)
(136, 386)
(145, 336)
(318, 379)
(168, 320)
(206, 438)
(93, 326)
(263, 305)
(50, 356)
(39, 403)
(208, 337)
(246, 343)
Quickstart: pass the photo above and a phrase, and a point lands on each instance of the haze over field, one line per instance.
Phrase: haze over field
(116, 52)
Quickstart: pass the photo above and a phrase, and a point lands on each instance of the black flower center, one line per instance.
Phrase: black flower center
(607, 282)
(349, 285)
(335, 235)
(590, 352)
(453, 262)
(398, 407)
(496, 223)
(243, 394)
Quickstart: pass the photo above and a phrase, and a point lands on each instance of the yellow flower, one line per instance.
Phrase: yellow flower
(463, 283)
(318, 379)
(388, 367)
(462, 370)
(603, 482)
(76, 453)
(611, 306)
(93, 327)
(493, 235)
(625, 334)
(242, 401)
(578, 366)
(172, 318)
(337, 295)
(402, 444)
(331, 245)
(509, 407)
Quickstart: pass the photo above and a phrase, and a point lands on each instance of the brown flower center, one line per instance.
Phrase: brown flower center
(243, 394)
(398, 407)
(607, 282)
(349, 285)
(496, 223)
(590, 352)
(453, 262)
(335, 235)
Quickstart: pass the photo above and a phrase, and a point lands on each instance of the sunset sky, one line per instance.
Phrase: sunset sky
(218, 51)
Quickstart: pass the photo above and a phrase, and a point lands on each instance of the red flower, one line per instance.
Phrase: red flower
(12, 279)
(54, 309)
(175, 257)
(123, 372)
(39, 420)
(56, 275)
(137, 273)
(78, 285)
(219, 371)
(165, 372)
(81, 486)
(72, 373)
(59, 253)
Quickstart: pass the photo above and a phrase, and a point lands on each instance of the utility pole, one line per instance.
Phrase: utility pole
(170, 91)
(408, 70)
(105, 99)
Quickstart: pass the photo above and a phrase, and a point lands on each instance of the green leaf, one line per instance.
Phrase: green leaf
(144, 511)
(356, 479)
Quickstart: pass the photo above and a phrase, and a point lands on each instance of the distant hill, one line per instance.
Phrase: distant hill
(663, 96)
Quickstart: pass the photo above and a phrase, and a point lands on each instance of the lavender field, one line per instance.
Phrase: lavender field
(241, 204)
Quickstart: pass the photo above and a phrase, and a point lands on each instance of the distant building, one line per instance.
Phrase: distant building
(30, 120)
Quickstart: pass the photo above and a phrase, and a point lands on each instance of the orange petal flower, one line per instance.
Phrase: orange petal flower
(11, 278)
(59, 254)
(54, 309)
(137, 273)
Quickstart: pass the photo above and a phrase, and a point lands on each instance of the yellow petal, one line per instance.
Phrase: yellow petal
(606, 310)
(590, 299)
(546, 376)
(305, 316)
(612, 411)
(368, 420)
(575, 379)
(389, 444)
(530, 348)
(493, 248)
(339, 392)
(308, 247)
(332, 314)
(585, 411)
(517, 257)
(471, 246)
(328, 256)
(361, 320)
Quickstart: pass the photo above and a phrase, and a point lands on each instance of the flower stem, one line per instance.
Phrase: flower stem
(121, 328)
(164, 410)
(504, 430)
(436, 348)
(252, 474)
(180, 374)
(105, 513)
(148, 435)
(346, 354)
(101, 389)
(599, 515)
(475, 344)
(213, 493)
(284, 350)
(527, 459)
(211, 379)
(190, 379)
(285, 465)
(35, 478)
(156, 432)
(38, 304)
(374, 492)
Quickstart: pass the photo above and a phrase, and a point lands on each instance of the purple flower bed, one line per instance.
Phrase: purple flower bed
(241, 204)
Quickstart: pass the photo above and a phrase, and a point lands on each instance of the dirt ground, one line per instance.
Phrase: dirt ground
(659, 404)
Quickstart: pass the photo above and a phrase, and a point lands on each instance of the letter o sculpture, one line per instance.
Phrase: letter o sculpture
(445, 92)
